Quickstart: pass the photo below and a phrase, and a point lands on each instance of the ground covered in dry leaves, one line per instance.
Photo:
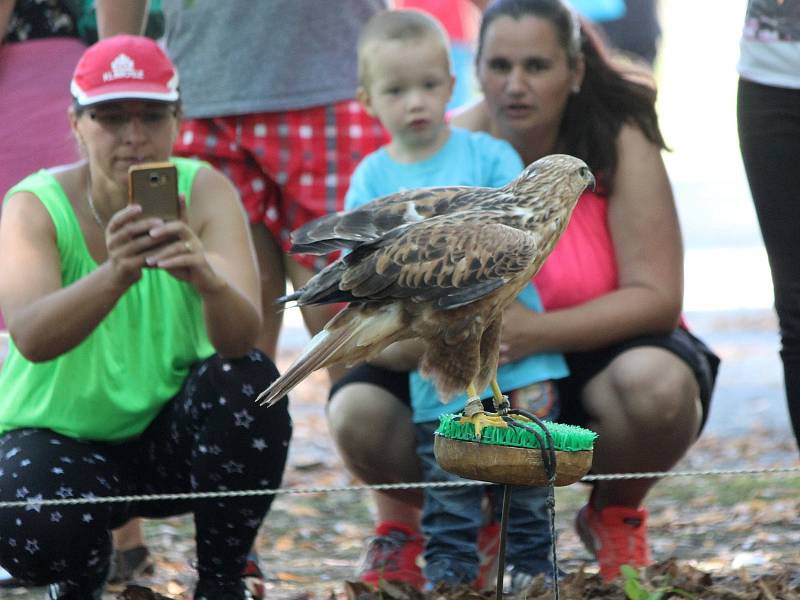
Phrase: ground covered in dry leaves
(668, 579)
(720, 537)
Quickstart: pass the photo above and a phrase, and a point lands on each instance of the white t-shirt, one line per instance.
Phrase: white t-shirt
(770, 43)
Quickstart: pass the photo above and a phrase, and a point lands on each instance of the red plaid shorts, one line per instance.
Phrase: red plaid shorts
(289, 167)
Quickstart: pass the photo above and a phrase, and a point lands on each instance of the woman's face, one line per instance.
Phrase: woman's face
(116, 135)
(525, 76)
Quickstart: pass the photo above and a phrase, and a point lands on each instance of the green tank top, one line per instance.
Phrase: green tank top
(112, 385)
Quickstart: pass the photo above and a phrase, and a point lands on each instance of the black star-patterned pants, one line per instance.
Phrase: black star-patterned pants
(209, 437)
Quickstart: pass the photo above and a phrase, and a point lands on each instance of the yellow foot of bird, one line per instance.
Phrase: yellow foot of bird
(481, 419)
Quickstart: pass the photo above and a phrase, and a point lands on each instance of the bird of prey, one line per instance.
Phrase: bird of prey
(439, 264)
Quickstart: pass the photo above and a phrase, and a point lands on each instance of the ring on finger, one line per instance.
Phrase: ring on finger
(187, 246)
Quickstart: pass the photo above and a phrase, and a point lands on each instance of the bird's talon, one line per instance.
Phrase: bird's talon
(483, 419)
(503, 406)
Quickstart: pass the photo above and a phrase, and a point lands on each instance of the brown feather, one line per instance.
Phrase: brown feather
(370, 222)
(439, 264)
(355, 334)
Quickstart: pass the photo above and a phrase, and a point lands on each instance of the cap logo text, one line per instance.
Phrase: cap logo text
(123, 67)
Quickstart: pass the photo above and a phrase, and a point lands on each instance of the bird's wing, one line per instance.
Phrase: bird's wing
(450, 260)
(368, 223)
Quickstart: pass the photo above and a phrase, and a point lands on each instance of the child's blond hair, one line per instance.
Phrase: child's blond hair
(398, 25)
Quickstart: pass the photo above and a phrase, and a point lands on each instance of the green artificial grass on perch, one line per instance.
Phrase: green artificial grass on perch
(512, 455)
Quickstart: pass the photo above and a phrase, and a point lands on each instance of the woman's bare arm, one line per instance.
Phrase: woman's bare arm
(45, 319)
(115, 17)
(231, 294)
(647, 242)
(400, 356)
(6, 10)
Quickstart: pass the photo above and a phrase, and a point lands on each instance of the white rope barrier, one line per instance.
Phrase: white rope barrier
(36, 502)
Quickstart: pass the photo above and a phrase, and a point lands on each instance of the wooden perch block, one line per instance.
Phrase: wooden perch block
(507, 464)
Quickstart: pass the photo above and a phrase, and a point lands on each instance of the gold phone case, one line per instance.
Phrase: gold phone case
(155, 187)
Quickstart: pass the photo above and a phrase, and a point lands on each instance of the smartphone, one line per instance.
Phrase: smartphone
(154, 186)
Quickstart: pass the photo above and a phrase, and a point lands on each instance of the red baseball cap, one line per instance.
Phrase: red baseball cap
(124, 67)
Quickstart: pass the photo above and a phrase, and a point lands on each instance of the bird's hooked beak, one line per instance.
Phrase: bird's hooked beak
(589, 177)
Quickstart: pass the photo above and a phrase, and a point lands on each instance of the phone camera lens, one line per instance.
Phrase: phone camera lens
(154, 178)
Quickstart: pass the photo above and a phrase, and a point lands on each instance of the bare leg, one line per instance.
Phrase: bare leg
(315, 317)
(645, 409)
(375, 437)
(129, 535)
(389, 508)
(273, 285)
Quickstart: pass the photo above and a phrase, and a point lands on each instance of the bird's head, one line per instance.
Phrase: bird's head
(561, 172)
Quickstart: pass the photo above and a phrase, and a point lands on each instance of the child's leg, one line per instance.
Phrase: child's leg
(528, 541)
(451, 517)
(528, 546)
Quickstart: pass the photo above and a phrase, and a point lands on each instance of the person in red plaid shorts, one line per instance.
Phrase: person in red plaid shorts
(268, 92)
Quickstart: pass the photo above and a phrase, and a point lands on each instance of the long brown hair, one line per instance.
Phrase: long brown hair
(613, 92)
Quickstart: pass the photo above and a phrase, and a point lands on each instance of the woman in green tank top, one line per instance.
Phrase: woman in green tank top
(131, 367)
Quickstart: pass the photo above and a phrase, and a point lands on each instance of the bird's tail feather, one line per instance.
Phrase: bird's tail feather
(322, 347)
(294, 296)
(348, 336)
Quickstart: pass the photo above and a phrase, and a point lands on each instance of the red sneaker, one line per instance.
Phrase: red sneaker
(616, 535)
(391, 555)
(489, 554)
(254, 578)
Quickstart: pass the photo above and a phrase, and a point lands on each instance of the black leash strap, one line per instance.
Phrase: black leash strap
(549, 461)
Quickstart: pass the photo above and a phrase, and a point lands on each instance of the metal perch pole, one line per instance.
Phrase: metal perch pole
(525, 457)
(549, 461)
(501, 556)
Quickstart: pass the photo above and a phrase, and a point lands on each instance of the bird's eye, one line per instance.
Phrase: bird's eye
(583, 171)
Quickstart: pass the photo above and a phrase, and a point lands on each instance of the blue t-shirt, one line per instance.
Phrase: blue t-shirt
(467, 158)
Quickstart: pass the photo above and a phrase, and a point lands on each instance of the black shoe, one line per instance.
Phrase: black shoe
(211, 591)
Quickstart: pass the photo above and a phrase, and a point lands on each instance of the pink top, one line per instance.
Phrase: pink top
(460, 18)
(583, 265)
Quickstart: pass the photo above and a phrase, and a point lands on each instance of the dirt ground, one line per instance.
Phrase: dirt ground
(716, 532)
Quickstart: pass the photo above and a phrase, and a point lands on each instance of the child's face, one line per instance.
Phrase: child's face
(409, 86)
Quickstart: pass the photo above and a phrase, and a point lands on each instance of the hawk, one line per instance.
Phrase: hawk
(439, 264)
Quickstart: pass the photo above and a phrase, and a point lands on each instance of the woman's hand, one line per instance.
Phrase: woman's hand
(128, 244)
(180, 252)
(516, 333)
